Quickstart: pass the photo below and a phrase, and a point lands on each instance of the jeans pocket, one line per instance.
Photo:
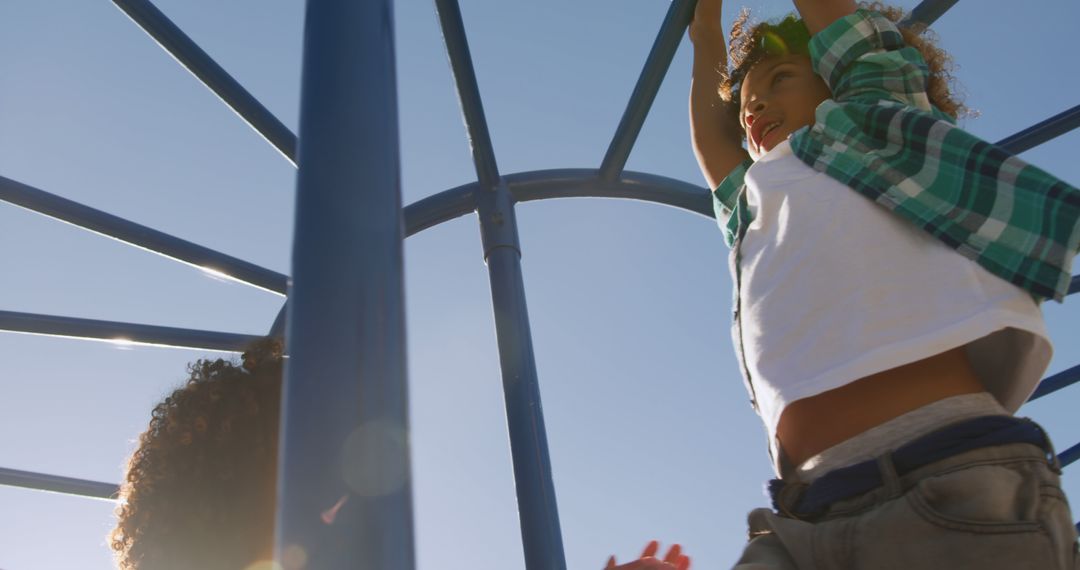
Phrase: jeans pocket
(987, 499)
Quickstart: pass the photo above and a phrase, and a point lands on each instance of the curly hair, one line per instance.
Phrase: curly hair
(748, 44)
(199, 489)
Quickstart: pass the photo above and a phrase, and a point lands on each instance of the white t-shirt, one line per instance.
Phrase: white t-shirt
(834, 288)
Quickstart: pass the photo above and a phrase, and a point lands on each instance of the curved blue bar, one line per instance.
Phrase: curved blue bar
(58, 484)
(139, 236)
(1039, 133)
(122, 333)
(191, 56)
(652, 75)
(586, 183)
(441, 207)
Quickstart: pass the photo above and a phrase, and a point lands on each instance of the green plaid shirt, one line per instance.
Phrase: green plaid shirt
(880, 136)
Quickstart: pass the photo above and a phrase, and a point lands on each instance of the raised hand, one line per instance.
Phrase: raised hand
(673, 560)
(705, 27)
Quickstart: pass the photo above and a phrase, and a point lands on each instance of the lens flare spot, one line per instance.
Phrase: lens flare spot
(375, 459)
(264, 565)
(774, 44)
(294, 557)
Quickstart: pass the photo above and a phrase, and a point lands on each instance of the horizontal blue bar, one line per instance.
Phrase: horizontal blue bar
(648, 84)
(1044, 131)
(58, 484)
(203, 67)
(122, 334)
(140, 236)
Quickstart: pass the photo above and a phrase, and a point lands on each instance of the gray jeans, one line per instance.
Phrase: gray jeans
(995, 507)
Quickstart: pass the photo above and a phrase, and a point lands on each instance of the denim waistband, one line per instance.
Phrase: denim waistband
(812, 500)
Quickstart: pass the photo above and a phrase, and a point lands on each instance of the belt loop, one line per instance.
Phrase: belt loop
(890, 480)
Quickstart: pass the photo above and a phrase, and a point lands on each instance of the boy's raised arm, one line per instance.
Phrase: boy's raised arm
(818, 14)
(715, 133)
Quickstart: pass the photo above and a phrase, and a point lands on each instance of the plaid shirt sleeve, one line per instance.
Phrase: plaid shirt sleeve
(727, 200)
(880, 136)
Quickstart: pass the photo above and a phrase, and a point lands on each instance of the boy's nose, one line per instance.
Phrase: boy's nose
(754, 110)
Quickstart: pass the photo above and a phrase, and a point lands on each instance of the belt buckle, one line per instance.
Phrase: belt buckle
(790, 494)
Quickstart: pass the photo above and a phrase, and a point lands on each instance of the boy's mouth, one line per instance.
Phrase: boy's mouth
(761, 129)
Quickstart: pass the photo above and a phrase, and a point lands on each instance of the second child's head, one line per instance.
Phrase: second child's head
(774, 91)
(199, 490)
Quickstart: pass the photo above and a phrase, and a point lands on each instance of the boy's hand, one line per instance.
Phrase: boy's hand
(673, 560)
(706, 23)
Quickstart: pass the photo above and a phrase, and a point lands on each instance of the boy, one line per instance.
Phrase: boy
(887, 269)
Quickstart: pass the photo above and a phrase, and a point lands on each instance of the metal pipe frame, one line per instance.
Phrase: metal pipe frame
(140, 236)
(648, 84)
(537, 508)
(928, 12)
(57, 484)
(345, 489)
(123, 334)
(1053, 383)
(173, 40)
(1041, 132)
(493, 197)
(1069, 455)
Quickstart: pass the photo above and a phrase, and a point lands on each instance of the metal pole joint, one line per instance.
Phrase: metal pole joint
(498, 223)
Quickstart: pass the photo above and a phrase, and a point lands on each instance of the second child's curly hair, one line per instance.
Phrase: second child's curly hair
(199, 490)
(749, 43)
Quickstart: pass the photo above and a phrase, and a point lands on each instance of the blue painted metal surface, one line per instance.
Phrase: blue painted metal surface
(928, 11)
(191, 56)
(1053, 383)
(1069, 455)
(537, 509)
(345, 491)
(58, 484)
(139, 236)
(656, 65)
(1044, 131)
(122, 333)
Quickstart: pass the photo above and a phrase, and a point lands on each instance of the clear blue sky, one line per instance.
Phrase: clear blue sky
(650, 432)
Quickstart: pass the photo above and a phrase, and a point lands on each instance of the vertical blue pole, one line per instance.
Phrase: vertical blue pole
(344, 491)
(537, 509)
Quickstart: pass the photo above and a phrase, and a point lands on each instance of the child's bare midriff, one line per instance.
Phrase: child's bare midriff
(812, 425)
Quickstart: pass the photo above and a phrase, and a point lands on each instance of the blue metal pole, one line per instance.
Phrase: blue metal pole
(139, 236)
(537, 509)
(122, 333)
(1053, 383)
(1069, 455)
(1041, 132)
(928, 11)
(344, 491)
(203, 67)
(58, 484)
(656, 65)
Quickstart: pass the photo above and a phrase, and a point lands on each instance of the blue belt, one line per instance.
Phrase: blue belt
(854, 480)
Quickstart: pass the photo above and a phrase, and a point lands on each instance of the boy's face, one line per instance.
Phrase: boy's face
(779, 96)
